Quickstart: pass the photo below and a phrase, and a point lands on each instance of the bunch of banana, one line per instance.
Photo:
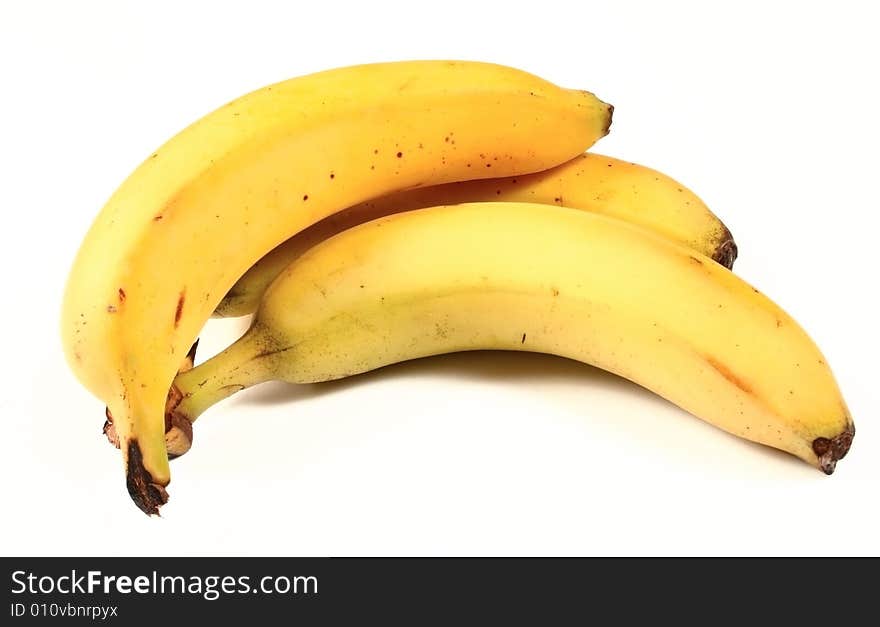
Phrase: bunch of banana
(330, 201)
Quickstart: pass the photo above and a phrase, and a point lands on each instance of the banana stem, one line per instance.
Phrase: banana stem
(238, 367)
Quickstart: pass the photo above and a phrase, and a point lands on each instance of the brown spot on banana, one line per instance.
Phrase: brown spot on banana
(178, 312)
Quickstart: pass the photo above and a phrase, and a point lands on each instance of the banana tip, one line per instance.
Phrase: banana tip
(178, 435)
(727, 252)
(178, 428)
(609, 120)
(148, 495)
(830, 451)
(109, 429)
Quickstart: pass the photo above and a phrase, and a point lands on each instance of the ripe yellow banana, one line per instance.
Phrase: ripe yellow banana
(201, 210)
(530, 277)
(592, 182)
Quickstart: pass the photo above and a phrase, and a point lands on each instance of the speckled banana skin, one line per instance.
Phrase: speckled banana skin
(262, 168)
(591, 182)
(517, 276)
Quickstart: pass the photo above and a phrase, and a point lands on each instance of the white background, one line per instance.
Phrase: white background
(767, 110)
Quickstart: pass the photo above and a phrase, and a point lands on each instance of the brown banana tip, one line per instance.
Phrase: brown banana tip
(178, 436)
(148, 495)
(832, 451)
(178, 428)
(109, 429)
(727, 252)
(610, 119)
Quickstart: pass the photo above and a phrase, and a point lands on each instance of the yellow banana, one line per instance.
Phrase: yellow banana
(202, 209)
(592, 182)
(530, 277)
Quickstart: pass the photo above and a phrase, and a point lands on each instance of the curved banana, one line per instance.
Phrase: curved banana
(530, 277)
(592, 182)
(202, 209)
